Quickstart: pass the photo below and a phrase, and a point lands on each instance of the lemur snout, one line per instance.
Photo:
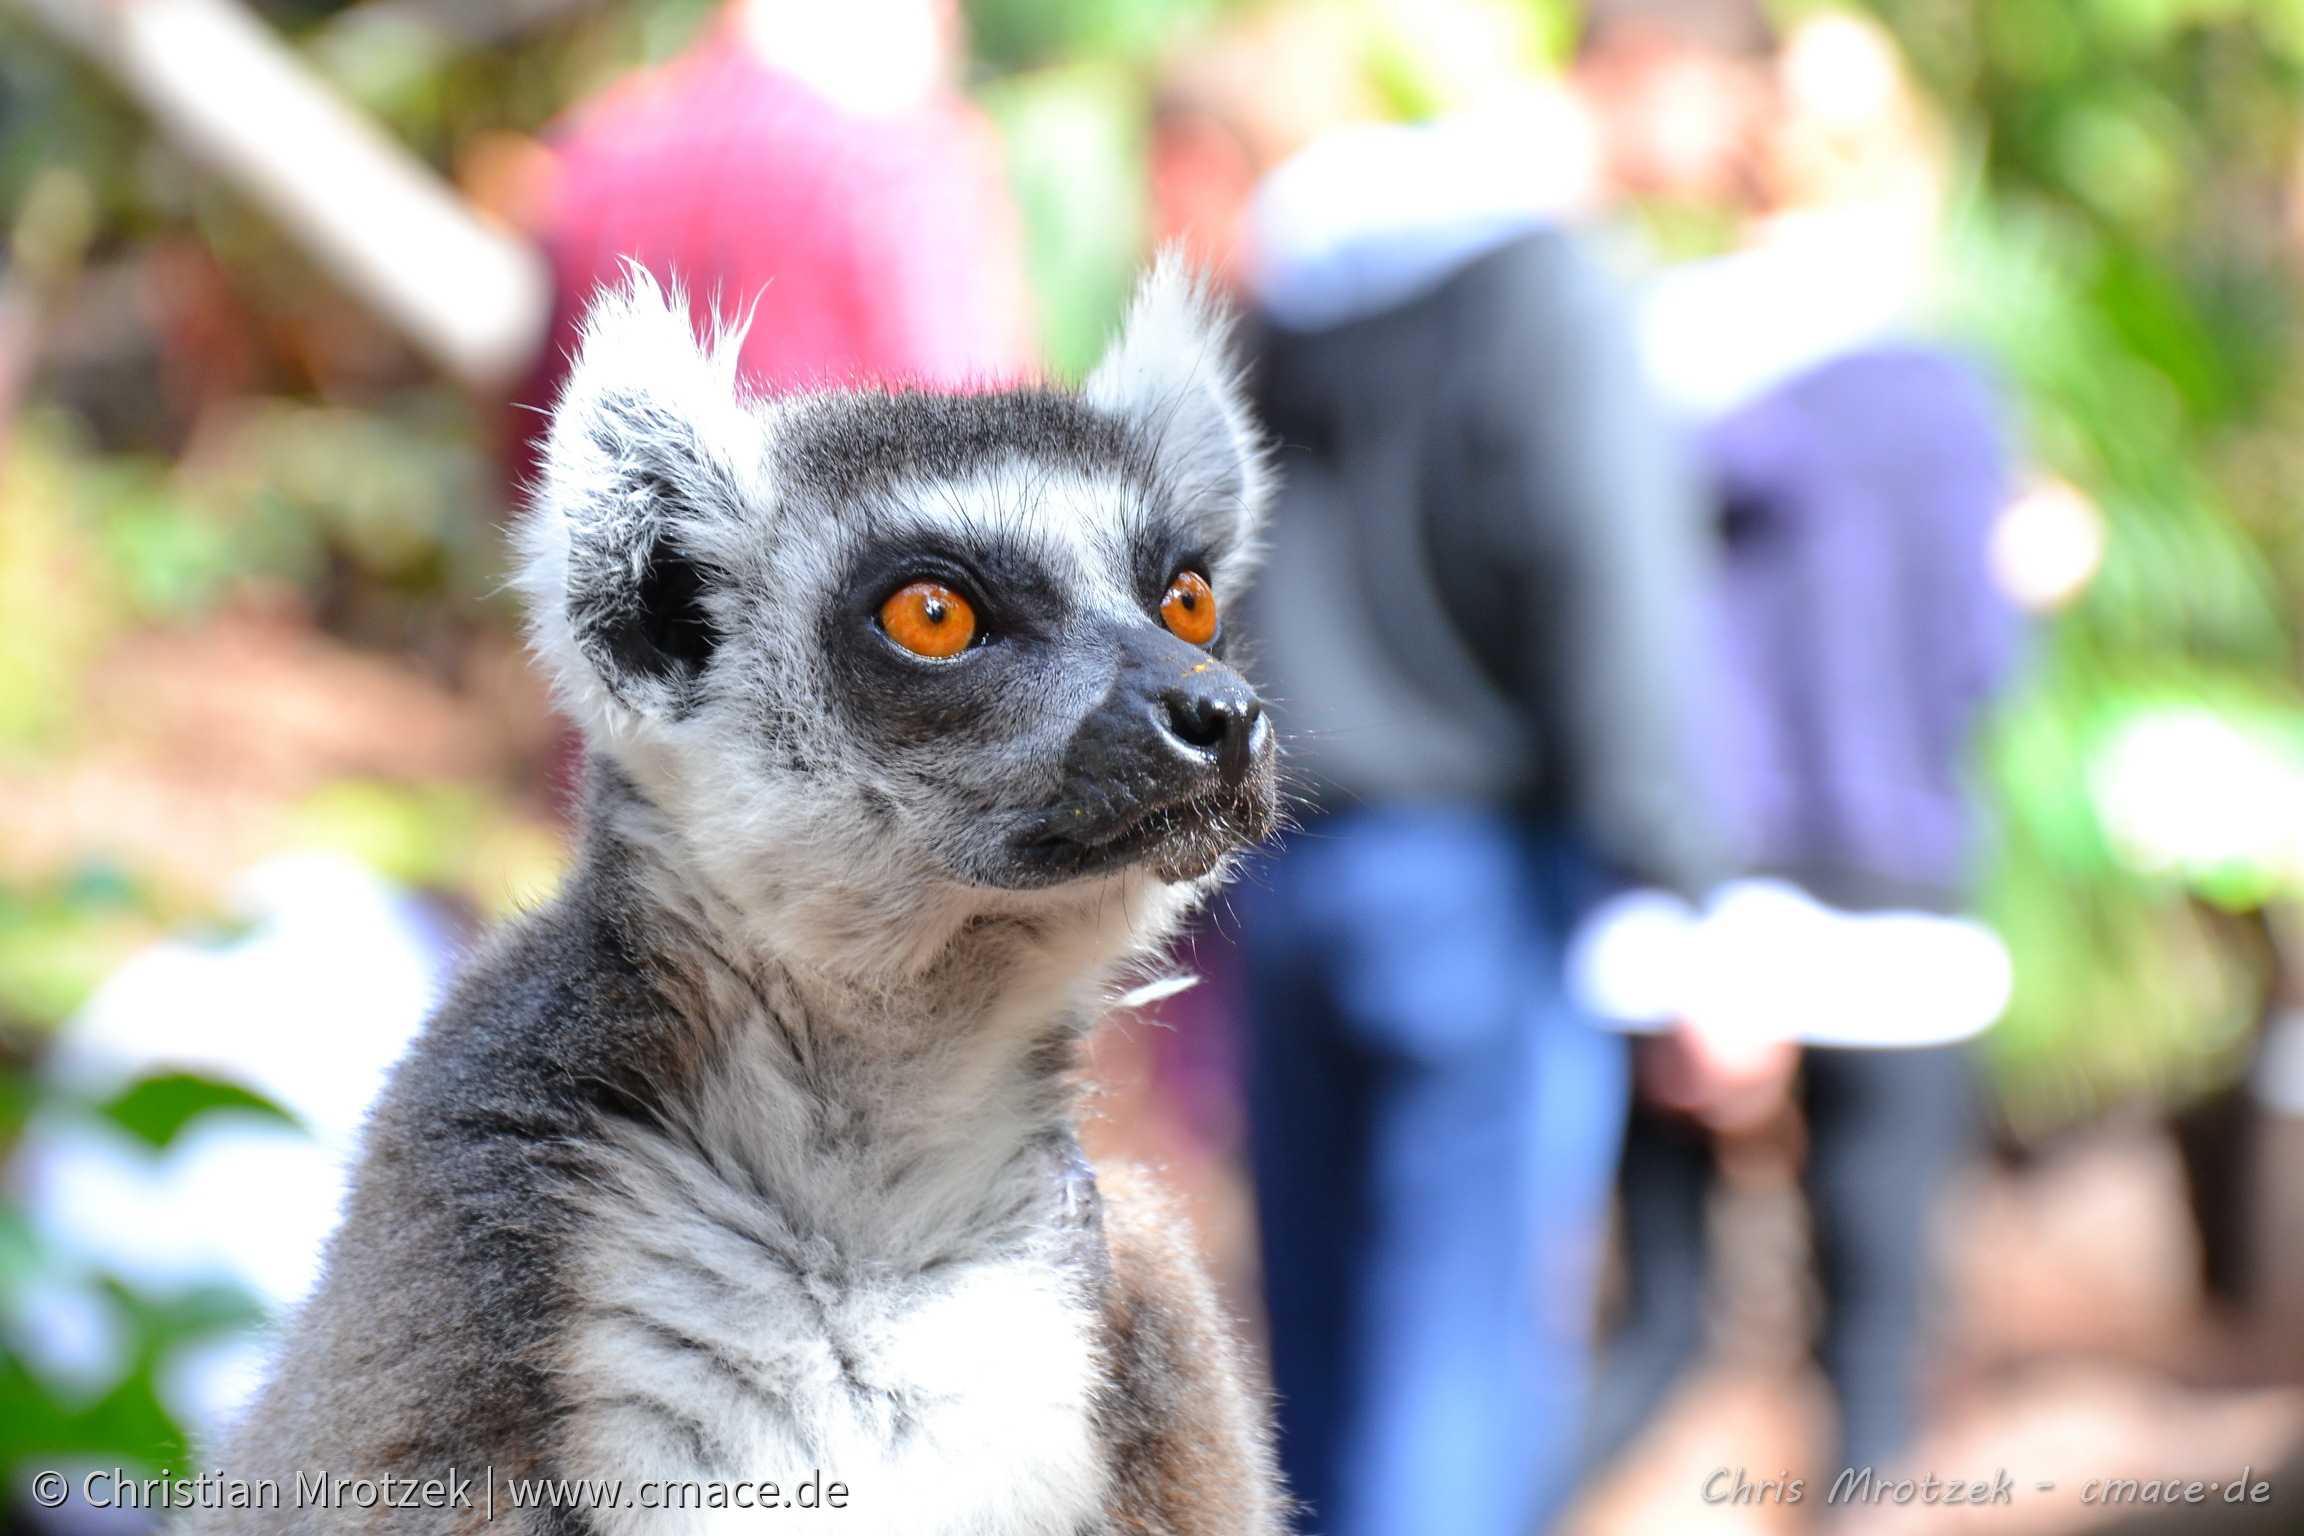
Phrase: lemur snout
(1178, 723)
(1213, 710)
(1175, 768)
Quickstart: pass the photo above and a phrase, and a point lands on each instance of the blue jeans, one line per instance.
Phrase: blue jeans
(1435, 1133)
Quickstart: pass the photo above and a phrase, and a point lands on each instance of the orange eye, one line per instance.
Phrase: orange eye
(1189, 609)
(928, 618)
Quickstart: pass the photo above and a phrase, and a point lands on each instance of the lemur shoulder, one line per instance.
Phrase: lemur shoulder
(752, 1155)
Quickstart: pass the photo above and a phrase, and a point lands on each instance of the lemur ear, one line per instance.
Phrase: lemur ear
(1173, 376)
(644, 478)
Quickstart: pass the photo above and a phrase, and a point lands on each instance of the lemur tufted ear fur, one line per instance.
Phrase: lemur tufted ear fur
(645, 479)
(1173, 376)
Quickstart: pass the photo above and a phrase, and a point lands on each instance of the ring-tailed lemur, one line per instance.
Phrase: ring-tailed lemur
(751, 1158)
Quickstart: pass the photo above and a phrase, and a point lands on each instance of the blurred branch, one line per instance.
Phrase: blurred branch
(218, 81)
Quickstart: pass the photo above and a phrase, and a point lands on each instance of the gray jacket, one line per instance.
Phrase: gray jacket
(1487, 561)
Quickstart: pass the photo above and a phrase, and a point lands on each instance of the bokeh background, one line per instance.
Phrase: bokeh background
(266, 733)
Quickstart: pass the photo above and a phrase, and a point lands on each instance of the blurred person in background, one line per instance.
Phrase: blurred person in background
(1474, 616)
(811, 174)
(1855, 636)
(808, 174)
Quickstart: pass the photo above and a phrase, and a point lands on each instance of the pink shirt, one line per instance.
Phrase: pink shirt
(865, 250)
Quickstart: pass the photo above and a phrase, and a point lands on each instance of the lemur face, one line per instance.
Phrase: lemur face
(1029, 641)
(894, 638)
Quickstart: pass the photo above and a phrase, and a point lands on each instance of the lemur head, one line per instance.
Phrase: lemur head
(907, 647)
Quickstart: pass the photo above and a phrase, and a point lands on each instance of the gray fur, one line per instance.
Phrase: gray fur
(752, 1153)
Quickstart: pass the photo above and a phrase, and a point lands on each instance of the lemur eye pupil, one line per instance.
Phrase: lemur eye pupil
(929, 619)
(1189, 609)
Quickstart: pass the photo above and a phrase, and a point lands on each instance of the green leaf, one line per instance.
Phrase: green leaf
(157, 1109)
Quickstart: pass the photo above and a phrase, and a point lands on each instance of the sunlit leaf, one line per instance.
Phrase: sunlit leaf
(156, 1109)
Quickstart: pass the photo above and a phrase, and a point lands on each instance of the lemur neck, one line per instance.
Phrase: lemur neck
(898, 1117)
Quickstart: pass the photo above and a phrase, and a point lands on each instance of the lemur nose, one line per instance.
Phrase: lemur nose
(1217, 714)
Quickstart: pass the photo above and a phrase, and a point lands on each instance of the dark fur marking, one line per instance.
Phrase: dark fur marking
(639, 609)
(846, 448)
(734, 1372)
(693, 1269)
(671, 636)
(924, 710)
(706, 1447)
(1188, 1451)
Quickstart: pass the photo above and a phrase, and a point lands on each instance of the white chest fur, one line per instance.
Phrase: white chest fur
(713, 1347)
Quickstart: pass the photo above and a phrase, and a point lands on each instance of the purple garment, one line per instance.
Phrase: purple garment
(1856, 628)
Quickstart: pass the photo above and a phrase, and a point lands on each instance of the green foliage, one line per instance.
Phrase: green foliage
(110, 1404)
(1025, 34)
(56, 116)
(2126, 254)
(59, 939)
(155, 1110)
(399, 491)
(1075, 154)
(1069, 88)
(440, 837)
(45, 1422)
(2127, 988)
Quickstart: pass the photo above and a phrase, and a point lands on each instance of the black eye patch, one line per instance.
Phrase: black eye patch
(977, 697)
(1158, 553)
(1013, 595)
